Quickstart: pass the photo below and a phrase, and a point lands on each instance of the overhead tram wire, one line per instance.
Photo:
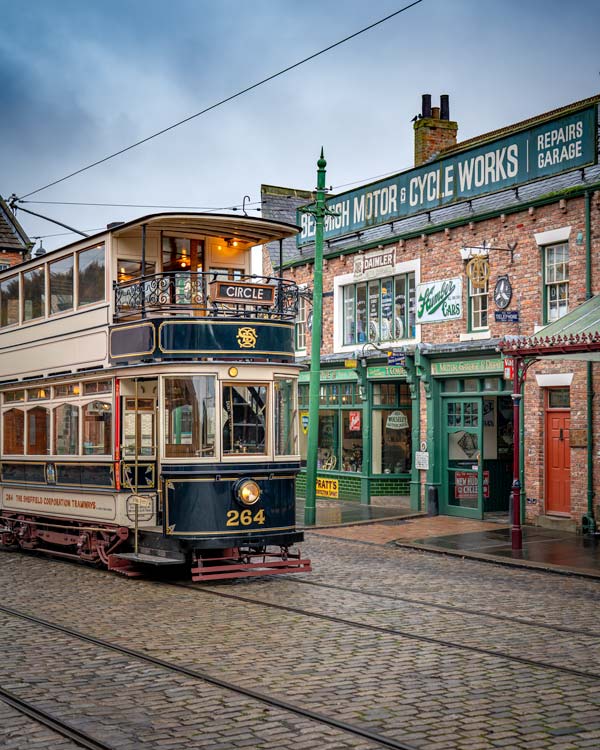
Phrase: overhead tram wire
(144, 205)
(224, 101)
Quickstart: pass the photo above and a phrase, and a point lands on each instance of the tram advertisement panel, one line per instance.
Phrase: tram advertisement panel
(81, 505)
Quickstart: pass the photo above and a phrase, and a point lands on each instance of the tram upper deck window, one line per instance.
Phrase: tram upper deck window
(9, 301)
(34, 293)
(286, 417)
(244, 418)
(190, 417)
(90, 275)
(60, 274)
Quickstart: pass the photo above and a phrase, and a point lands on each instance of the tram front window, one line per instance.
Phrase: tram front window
(190, 417)
(244, 418)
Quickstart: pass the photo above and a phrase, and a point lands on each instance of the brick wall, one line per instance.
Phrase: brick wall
(439, 255)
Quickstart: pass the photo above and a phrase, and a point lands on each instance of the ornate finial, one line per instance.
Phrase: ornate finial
(321, 164)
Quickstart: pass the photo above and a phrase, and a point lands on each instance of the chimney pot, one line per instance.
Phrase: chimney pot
(444, 107)
(435, 113)
(426, 105)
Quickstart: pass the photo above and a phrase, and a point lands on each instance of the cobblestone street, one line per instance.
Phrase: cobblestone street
(421, 650)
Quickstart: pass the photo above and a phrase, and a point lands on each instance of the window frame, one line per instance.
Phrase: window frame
(546, 285)
(473, 294)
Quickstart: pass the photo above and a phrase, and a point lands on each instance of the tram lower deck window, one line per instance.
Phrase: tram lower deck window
(244, 419)
(190, 417)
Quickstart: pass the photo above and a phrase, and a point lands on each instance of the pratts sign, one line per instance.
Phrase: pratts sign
(550, 148)
(238, 293)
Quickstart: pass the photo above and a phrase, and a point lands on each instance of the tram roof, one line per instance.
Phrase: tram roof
(245, 228)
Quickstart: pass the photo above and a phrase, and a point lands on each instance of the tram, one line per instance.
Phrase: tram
(149, 400)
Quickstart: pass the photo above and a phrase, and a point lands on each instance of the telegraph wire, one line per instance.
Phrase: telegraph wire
(224, 101)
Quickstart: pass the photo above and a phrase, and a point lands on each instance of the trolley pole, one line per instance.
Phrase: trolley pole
(319, 211)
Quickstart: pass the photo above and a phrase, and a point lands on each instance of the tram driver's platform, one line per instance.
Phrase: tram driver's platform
(543, 549)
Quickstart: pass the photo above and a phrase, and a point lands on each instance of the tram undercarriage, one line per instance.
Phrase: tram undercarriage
(114, 548)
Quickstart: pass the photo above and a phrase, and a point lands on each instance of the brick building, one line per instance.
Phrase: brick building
(490, 238)
(14, 243)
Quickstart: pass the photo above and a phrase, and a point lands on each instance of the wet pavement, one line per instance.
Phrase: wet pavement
(490, 540)
(336, 512)
(542, 548)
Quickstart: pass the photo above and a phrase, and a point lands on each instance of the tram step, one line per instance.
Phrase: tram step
(147, 559)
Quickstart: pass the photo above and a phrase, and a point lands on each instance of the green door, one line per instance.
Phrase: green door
(462, 487)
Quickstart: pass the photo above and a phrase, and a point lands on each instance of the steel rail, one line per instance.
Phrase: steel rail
(224, 684)
(393, 631)
(52, 722)
(447, 607)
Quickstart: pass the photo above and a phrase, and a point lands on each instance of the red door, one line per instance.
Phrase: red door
(558, 461)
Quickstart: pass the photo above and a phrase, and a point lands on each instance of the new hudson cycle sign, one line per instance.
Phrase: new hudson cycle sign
(548, 149)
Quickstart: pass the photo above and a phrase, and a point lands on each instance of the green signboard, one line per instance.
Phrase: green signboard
(329, 375)
(467, 367)
(555, 146)
(379, 373)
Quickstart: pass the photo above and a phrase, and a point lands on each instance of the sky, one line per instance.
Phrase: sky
(81, 79)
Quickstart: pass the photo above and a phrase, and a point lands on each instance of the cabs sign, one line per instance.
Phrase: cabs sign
(327, 487)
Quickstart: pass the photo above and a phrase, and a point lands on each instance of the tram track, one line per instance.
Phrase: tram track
(82, 739)
(351, 729)
(447, 607)
(394, 631)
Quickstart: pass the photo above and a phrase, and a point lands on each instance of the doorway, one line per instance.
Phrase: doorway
(463, 484)
(557, 451)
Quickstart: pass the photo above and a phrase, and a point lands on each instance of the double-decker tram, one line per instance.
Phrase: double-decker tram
(149, 400)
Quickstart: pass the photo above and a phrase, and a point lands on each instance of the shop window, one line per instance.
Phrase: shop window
(190, 417)
(38, 431)
(90, 275)
(300, 327)
(13, 429)
(9, 301)
(60, 274)
(556, 281)
(329, 439)
(286, 418)
(391, 428)
(97, 428)
(34, 293)
(380, 310)
(244, 419)
(66, 430)
(478, 306)
(303, 394)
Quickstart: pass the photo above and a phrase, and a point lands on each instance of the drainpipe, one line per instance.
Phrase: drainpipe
(588, 522)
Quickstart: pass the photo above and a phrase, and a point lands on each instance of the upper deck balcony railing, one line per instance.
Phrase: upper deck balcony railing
(206, 294)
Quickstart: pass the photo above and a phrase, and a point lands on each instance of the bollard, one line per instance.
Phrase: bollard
(433, 508)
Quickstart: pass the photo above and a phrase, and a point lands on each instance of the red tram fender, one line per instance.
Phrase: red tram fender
(235, 563)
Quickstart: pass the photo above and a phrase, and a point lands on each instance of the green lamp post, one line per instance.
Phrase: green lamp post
(319, 211)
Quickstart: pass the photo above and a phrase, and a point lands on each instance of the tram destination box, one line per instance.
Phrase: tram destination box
(238, 292)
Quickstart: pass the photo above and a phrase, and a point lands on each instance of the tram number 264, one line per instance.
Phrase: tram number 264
(245, 518)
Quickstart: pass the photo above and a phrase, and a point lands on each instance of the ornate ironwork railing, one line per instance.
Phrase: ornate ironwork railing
(192, 293)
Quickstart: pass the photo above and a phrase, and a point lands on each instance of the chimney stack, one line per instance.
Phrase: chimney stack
(434, 131)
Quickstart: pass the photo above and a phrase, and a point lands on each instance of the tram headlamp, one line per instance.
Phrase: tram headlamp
(247, 491)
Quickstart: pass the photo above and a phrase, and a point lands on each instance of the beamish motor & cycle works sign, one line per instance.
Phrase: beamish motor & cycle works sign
(550, 148)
